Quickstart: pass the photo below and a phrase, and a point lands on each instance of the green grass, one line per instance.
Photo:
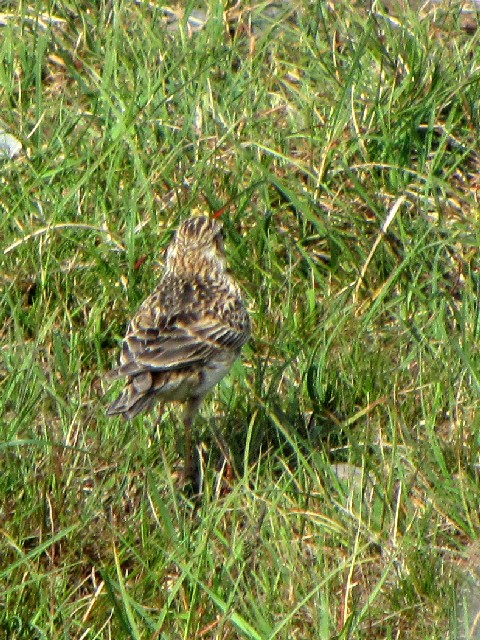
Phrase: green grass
(345, 143)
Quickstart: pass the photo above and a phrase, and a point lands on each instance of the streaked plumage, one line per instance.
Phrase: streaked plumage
(188, 333)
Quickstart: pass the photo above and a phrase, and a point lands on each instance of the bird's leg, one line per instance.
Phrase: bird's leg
(190, 472)
(188, 468)
(228, 462)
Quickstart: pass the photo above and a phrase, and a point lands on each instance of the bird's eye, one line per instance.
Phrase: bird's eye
(220, 241)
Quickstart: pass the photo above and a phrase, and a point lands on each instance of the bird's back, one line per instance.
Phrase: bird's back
(182, 341)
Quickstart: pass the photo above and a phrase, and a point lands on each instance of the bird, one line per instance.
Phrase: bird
(187, 334)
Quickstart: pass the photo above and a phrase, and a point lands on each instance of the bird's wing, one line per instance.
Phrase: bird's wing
(178, 342)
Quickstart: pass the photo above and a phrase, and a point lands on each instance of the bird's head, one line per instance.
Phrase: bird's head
(198, 239)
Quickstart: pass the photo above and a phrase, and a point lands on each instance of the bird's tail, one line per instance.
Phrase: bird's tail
(136, 397)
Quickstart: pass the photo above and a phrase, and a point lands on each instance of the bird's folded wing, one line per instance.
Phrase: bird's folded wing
(175, 345)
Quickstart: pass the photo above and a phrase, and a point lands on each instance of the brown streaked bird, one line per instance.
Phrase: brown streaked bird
(186, 336)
